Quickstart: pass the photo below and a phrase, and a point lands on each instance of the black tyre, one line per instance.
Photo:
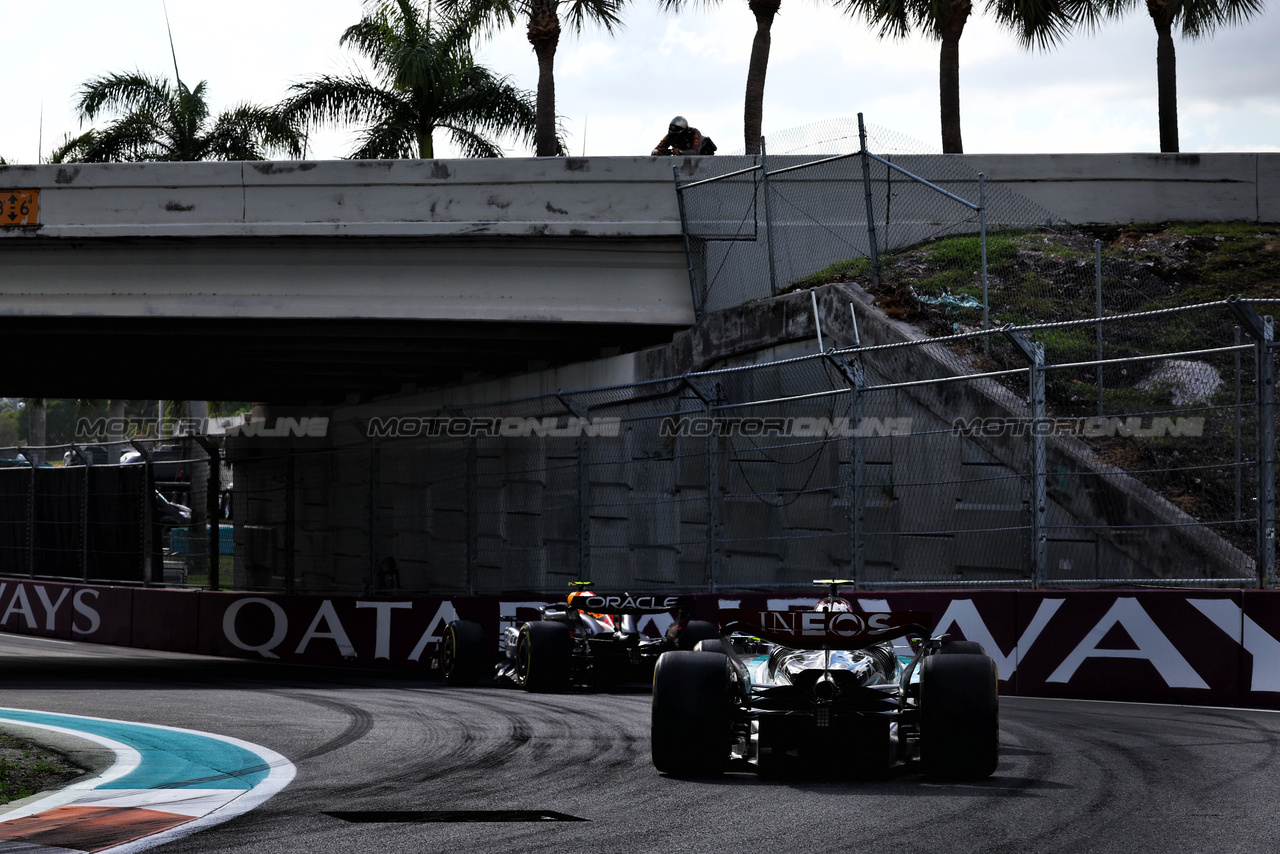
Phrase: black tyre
(544, 656)
(711, 645)
(694, 631)
(691, 713)
(961, 648)
(463, 659)
(959, 716)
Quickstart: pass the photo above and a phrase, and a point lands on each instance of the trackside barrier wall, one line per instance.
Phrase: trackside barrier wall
(1210, 647)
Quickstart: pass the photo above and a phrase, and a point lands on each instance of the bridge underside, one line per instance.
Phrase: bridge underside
(322, 320)
(284, 360)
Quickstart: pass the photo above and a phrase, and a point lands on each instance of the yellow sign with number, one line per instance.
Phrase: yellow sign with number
(19, 207)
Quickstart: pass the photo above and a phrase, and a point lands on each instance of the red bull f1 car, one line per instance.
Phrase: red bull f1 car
(587, 641)
(828, 688)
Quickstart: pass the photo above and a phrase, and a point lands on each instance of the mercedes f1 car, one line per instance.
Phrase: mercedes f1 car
(826, 686)
(589, 640)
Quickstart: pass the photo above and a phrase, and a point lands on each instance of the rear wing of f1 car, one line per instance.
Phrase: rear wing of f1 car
(825, 629)
(626, 604)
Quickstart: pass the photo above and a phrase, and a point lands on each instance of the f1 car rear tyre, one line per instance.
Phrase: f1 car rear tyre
(959, 647)
(691, 713)
(544, 656)
(462, 653)
(959, 716)
(711, 645)
(694, 631)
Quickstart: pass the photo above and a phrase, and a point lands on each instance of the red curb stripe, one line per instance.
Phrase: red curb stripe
(89, 828)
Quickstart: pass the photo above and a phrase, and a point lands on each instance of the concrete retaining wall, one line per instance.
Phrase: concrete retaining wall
(962, 515)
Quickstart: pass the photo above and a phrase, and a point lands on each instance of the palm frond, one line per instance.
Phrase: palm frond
(891, 18)
(386, 142)
(486, 16)
(134, 138)
(125, 93)
(331, 100)
(606, 13)
(471, 143)
(250, 132)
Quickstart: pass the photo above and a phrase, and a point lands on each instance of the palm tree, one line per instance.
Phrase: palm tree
(753, 108)
(426, 81)
(1197, 19)
(543, 28)
(1036, 23)
(164, 120)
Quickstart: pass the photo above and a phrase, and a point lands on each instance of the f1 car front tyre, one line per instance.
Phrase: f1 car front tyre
(544, 656)
(462, 653)
(691, 713)
(959, 716)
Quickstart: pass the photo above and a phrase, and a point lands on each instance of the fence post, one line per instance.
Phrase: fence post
(688, 252)
(1097, 266)
(871, 210)
(84, 514)
(1262, 331)
(213, 510)
(473, 523)
(982, 230)
(1039, 495)
(583, 415)
(1038, 499)
(768, 219)
(290, 521)
(31, 517)
(584, 508)
(1239, 502)
(1266, 456)
(375, 492)
(149, 543)
(714, 554)
(857, 476)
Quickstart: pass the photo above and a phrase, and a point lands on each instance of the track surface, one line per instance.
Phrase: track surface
(1075, 776)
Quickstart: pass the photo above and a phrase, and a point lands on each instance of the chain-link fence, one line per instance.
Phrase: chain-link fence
(978, 459)
(843, 201)
(132, 512)
(970, 460)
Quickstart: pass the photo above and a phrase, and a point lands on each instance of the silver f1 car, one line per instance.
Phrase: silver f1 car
(589, 640)
(828, 687)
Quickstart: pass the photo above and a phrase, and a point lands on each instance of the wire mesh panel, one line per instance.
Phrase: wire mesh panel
(784, 510)
(260, 508)
(15, 519)
(114, 522)
(422, 515)
(819, 202)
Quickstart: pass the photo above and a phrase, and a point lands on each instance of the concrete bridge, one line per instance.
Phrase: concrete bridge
(318, 281)
(341, 281)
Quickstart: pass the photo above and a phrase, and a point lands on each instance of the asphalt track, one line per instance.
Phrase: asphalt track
(1073, 776)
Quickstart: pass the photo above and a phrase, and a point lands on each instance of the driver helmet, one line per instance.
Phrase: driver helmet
(679, 126)
(833, 603)
(585, 594)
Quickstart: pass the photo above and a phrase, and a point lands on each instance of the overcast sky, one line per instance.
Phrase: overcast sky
(1093, 93)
